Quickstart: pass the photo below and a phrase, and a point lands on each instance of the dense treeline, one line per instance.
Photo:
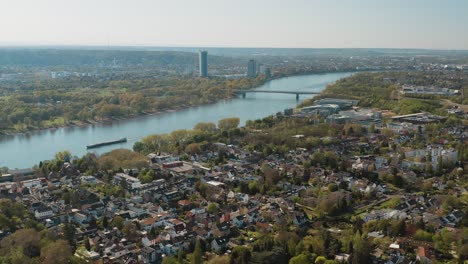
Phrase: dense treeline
(50, 106)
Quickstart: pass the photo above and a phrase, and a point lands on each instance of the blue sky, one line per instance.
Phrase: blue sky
(429, 24)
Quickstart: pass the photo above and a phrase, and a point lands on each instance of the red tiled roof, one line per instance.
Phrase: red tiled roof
(262, 225)
(184, 202)
(421, 252)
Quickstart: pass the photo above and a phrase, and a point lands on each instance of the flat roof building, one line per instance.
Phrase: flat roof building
(343, 103)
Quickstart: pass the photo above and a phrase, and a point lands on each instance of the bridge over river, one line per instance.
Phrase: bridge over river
(25, 150)
(297, 93)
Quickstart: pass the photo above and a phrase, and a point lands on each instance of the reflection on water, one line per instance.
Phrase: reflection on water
(25, 150)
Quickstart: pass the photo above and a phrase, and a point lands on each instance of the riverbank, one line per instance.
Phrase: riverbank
(80, 123)
(26, 129)
(29, 149)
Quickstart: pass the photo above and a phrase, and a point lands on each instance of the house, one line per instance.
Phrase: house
(168, 248)
(160, 159)
(88, 180)
(421, 256)
(171, 196)
(148, 255)
(130, 183)
(156, 185)
(456, 215)
(263, 226)
(43, 212)
(253, 216)
(342, 258)
(88, 256)
(201, 232)
(79, 218)
(222, 229)
(300, 219)
(240, 221)
(185, 204)
(219, 244)
(395, 257)
(176, 227)
(152, 222)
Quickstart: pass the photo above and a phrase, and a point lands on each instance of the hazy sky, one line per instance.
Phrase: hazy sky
(438, 24)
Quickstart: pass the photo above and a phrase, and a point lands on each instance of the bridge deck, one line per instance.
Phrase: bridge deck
(266, 91)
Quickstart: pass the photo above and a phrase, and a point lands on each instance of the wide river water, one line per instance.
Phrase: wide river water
(26, 150)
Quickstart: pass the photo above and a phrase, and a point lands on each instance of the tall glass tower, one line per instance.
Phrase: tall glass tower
(203, 60)
(251, 69)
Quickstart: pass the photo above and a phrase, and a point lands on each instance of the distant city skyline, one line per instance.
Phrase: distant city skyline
(419, 24)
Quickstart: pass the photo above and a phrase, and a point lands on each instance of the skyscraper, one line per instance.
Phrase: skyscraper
(261, 68)
(251, 69)
(203, 60)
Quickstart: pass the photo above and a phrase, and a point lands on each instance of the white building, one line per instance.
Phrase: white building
(88, 179)
(131, 182)
(43, 213)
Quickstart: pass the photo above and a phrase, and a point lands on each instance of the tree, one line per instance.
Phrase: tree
(169, 260)
(463, 253)
(57, 252)
(63, 156)
(26, 239)
(86, 243)
(69, 233)
(315, 244)
(197, 254)
(361, 250)
(146, 176)
(332, 187)
(213, 208)
(241, 255)
(105, 222)
(228, 123)
(122, 158)
(443, 240)
(180, 256)
(205, 127)
(300, 259)
(4, 169)
(17, 256)
(224, 259)
(130, 231)
(193, 148)
(118, 222)
(320, 260)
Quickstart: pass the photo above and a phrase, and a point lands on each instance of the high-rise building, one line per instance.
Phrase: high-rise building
(251, 69)
(261, 68)
(203, 60)
(268, 72)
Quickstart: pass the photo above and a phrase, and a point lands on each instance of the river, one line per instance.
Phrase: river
(26, 150)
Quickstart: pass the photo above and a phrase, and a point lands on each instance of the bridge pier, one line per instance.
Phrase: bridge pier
(297, 97)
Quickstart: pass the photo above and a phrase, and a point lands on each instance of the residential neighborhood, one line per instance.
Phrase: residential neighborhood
(330, 181)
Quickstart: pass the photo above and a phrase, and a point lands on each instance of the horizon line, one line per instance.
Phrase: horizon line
(209, 47)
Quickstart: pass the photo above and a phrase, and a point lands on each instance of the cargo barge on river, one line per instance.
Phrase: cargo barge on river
(97, 145)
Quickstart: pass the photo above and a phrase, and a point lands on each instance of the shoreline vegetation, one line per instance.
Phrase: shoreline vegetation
(368, 87)
(78, 123)
(118, 104)
(227, 87)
